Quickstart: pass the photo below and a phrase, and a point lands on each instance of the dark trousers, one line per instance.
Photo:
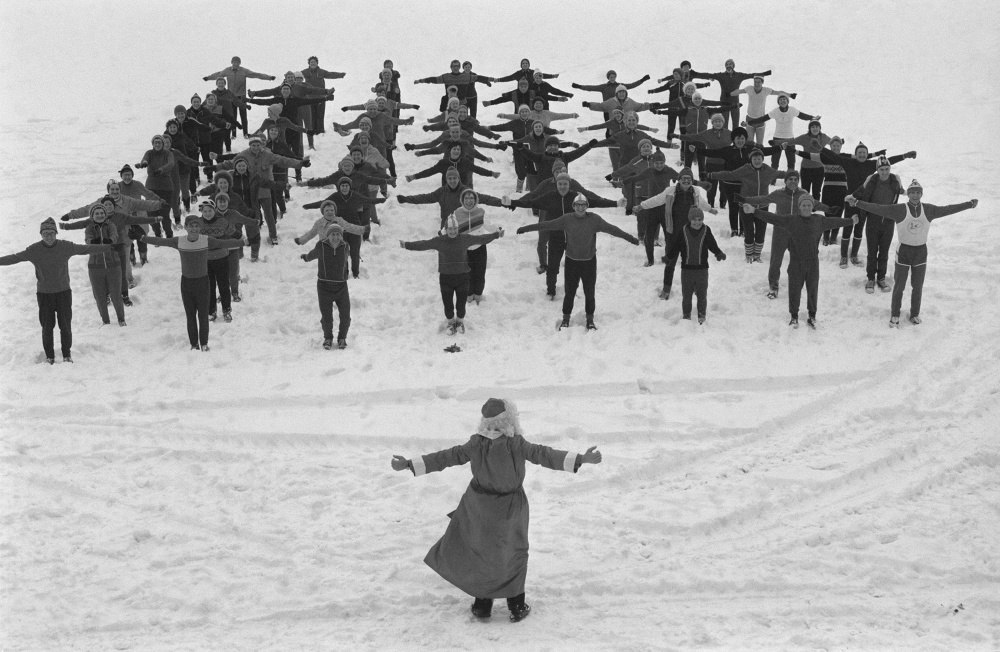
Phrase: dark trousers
(122, 250)
(56, 308)
(779, 245)
(218, 276)
(735, 216)
(454, 293)
(330, 293)
(163, 213)
(812, 180)
(580, 272)
(878, 237)
(264, 203)
(789, 153)
(833, 196)
(522, 165)
(243, 116)
(204, 150)
(353, 241)
(318, 117)
(194, 294)
(556, 248)
(668, 273)
(694, 282)
(656, 219)
(107, 283)
(477, 274)
(798, 278)
(852, 234)
(910, 261)
(233, 261)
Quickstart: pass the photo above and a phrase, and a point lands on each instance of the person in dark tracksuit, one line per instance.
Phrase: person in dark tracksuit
(692, 243)
(50, 257)
(883, 187)
(453, 268)
(804, 233)
(580, 229)
(333, 255)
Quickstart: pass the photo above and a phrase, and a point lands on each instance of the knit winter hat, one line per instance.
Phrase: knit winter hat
(221, 196)
(346, 163)
(617, 112)
(380, 100)
(760, 77)
(729, 61)
(238, 158)
(717, 116)
(364, 120)
(500, 419)
(915, 185)
(658, 155)
(181, 108)
(523, 106)
(737, 132)
(255, 139)
(451, 222)
(334, 228)
(327, 202)
(815, 122)
(563, 176)
(838, 139)
(883, 162)
(620, 88)
(343, 180)
(756, 152)
(694, 211)
(551, 140)
(452, 172)
(469, 191)
(207, 203)
(645, 141)
(685, 172)
(581, 199)
(194, 96)
(126, 168)
(558, 164)
(688, 86)
(696, 97)
(155, 138)
(284, 86)
(370, 104)
(99, 206)
(298, 75)
(859, 146)
(806, 197)
(48, 224)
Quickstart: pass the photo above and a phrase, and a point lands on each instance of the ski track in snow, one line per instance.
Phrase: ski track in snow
(762, 488)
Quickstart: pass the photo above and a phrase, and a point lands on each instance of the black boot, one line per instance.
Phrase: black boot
(482, 607)
(518, 610)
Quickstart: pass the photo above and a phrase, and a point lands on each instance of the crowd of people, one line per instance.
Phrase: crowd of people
(192, 165)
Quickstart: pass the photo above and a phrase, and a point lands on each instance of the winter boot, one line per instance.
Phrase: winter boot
(590, 323)
(327, 344)
(870, 286)
(843, 262)
(518, 610)
(894, 322)
(883, 285)
(482, 608)
(564, 323)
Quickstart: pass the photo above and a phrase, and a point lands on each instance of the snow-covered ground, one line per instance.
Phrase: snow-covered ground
(762, 488)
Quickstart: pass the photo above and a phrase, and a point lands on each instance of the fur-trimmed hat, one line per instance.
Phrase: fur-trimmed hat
(500, 419)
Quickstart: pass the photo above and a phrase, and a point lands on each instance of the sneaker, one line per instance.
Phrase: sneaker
(664, 294)
(540, 269)
(519, 613)
(648, 263)
(236, 297)
(894, 322)
(772, 294)
(143, 261)
(794, 322)
(254, 259)
(883, 285)
(127, 301)
(459, 326)
(590, 325)
(227, 316)
(50, 360)
(749, 259)
(212, 316)
(551, 296)
(756, 258)
(870, 286)
(341, 344)
(67, 358)
(686, 317)
(701, 319)
(826, 240)
(452, 327)
(273, 241)
(564, 323)
(856, 261)
(915, 319)
(204, 348)
(132, 283)
(811, 322)
(843, 262)
(327, 344)
(121, 322)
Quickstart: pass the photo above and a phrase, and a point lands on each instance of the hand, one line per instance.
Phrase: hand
(581, 129)
(818, 117)
(296, 241)
(852, 200)
(573, 85)
(213, 155)
(306, 162)
(303, 256)
(622, 202)
(854, 219)
(520, 230)
(496, 175)
(974, 202)
(691, 148)
(911, 154)
(402, 245)
(500, 231)
(409, 178)
(576, 115)
(592, 456)
(721, 256)
(271, 78)
(505, 200)
(489, 160)
(793, 95)
(713, 211)
(383, 192)
(654, 130)
(748, 209)
(586, 105)
(204, 79)
(64, 218)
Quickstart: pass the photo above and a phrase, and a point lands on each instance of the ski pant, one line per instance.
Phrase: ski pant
(163, 213)
(264, 203)
(243, 117)
(454, 293)
(318, 117)
(542, 247)
(754, 232)
(330, 293)
(878, 237)
(789, 153)
(388, 158)
(779, 245)
(580, 272)
(668, 273)
(694, 282)
(218, 276)
(615, 156)
(137, 235)
(522, 165)
(691, 157)
(833, 196)
(729, 190)
(56, 308)
(713, 165)
(204, 150)
(656, 219)
(218, 141)
(194, 294)
(733, 113)
(477, 274)
(910, 261)
(125, 267)
(852, 234)
(353, 241)
(107, 282)
(234, 270)
(556, 248)
(802, 277)
(812, 180)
